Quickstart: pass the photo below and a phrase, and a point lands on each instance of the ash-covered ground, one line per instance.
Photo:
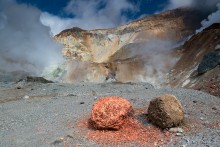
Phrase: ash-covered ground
(50, 114)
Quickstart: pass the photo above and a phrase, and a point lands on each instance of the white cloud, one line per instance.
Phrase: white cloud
(178, 3)
(90, 15)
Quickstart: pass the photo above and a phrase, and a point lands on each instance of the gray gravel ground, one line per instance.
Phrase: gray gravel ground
(36, 114)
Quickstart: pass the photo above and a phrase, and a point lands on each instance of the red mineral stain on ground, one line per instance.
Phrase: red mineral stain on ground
(131, 132)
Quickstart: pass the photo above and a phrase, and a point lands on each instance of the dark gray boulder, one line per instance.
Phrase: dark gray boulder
(209, 61)
(37, 79)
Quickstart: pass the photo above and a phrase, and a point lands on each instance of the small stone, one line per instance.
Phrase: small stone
(69, 136)
(56, 142)
(165, 111)
(176, 130)
(26, 97)
(71, 94)
(178, 134)
(18, 87)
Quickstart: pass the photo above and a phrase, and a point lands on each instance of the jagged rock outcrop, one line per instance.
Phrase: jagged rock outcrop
(187, 71)
(209, 61)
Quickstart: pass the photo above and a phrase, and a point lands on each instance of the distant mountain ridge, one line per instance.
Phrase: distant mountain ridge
(98, 45)
(135, 52)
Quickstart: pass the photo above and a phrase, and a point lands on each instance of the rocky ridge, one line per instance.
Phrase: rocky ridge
(96, 55)
(98, 45)
(152, 49)
(191, 70)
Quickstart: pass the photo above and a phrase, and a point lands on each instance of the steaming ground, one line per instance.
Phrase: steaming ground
(27, 47)
(37, 114)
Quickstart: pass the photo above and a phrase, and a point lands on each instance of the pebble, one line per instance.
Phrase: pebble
(178, 134)
(26, 97)
(95, 98)
(18, 87)
(201, 118)
(176, 130)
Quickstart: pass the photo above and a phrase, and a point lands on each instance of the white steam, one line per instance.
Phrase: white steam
(212, 6)
(158, 60)
(202, 5)
(90, 14)
(212, 18)
(25, 44)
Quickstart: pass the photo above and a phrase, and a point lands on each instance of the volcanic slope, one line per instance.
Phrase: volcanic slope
(198, 66)
(96, 55)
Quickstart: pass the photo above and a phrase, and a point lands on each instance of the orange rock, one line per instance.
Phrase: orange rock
(110, 113)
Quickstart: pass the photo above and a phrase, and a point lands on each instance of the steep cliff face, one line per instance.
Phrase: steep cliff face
(199, 61)
(98, 45)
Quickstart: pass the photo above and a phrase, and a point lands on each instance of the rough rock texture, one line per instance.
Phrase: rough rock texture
(209, 61)
(165, 111)
(37, 79)
(98, 45)
(93, 55)
(199, 49)
(110, 113)
(211, 86)
(120, 47)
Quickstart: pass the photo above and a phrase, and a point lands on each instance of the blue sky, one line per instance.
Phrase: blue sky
(56, 7)
(59, 15)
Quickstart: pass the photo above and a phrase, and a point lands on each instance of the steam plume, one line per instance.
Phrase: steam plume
(90, 14)
(212, 18)
(211, 7)
(25, 44)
